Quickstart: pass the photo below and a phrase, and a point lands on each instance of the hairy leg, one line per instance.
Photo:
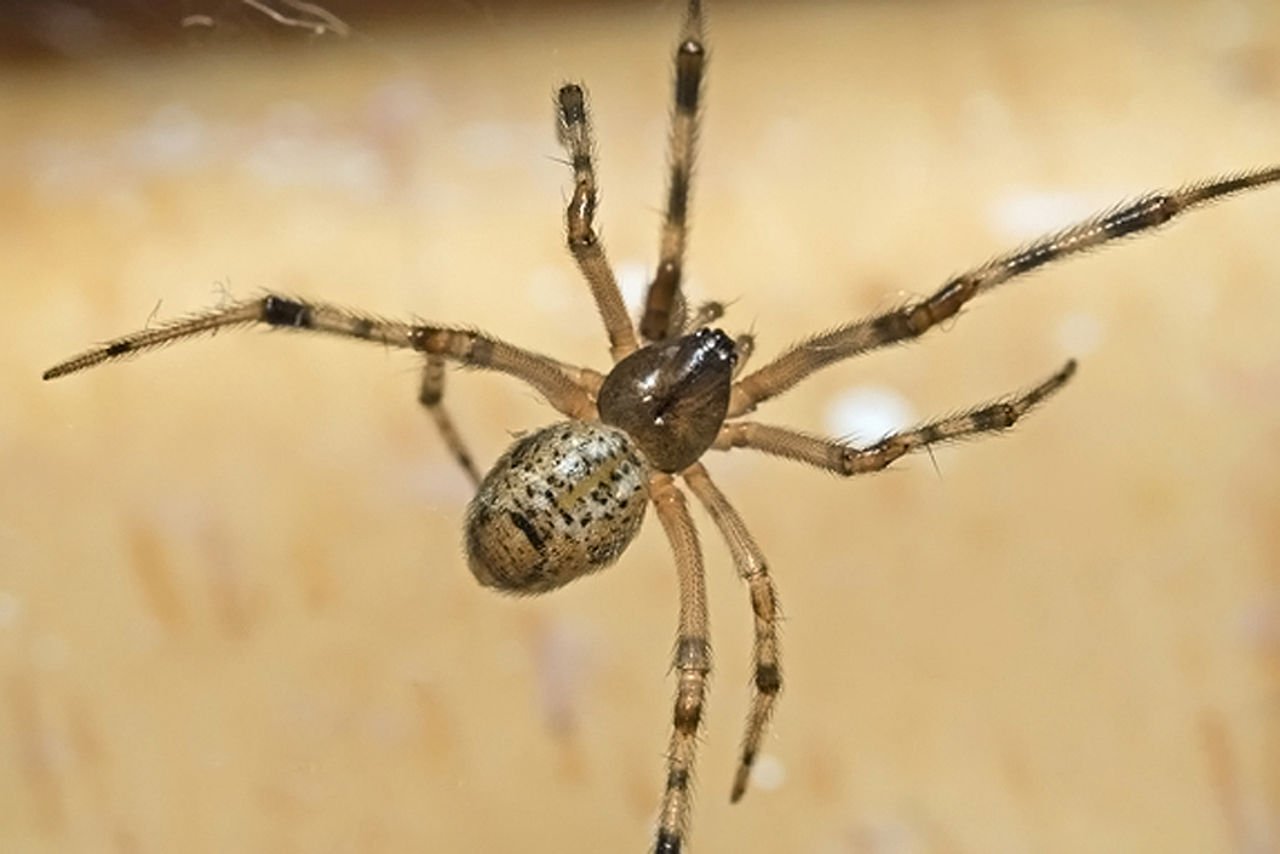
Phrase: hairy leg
(692, 662)
(463, 346)
(431, 395)
(665, 305)
(575, 135)
(753, 569)
(844, 459)
(916, 318)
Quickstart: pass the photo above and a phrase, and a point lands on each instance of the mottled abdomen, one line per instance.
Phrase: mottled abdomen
(560, 503)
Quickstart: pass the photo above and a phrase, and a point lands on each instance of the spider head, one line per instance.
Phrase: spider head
(671, 397)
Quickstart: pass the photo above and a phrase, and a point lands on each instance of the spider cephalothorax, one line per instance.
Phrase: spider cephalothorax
(671, 397)
(566, 500)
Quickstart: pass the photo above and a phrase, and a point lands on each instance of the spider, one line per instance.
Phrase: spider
(566, 500)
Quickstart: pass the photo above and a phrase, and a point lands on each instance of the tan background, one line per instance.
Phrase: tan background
(233, 610)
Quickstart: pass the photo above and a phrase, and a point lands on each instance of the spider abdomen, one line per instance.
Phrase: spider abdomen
(562, 502)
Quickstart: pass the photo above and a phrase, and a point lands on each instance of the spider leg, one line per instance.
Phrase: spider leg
(842, 458)
(664, 305)
(916, 318)
(431, 395)
(463, 346)
(707, 313)
(751, 565)
(574, 128)
(744, 345)
(692, 661)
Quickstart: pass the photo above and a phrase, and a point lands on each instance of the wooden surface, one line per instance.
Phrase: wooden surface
(234, 615)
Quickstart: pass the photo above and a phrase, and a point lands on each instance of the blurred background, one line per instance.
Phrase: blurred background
(234, 613)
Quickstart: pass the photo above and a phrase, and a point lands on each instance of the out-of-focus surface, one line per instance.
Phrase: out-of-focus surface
(234, 615)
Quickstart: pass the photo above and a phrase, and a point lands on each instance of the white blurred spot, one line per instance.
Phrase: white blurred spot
(62, 170)
(633, 280)
(552, 290)
(1079, 333)
(296, 151)
(290, 117)
(868, 413)
(1024, 215)
(769, 773)
(486, 145)
(50, 652)
(1196, 296)
(173, 137)
(986, 116)
(336, 164)
(399, 104)
(782, 137)
(1259, 622)
(1232, 26)
(888, 835)
(561, 655)
(10, 608)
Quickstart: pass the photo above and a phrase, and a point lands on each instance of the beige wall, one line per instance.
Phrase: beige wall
(233, 610)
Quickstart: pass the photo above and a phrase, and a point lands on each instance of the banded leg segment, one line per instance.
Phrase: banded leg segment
(844, 459)
(463, 346)
(751, 565)
(431, 395)
(575, 135)
(692, 662)
(916, 318)
(665, 305)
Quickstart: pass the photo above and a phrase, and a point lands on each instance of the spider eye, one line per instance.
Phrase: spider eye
(672, 397)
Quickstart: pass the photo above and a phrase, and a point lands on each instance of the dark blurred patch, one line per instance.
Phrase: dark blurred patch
(58, 31)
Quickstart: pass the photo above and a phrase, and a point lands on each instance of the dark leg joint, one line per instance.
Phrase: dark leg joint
(763, 603)
(279, 311)
(687, 716)
(581, 212)
(657, 311)
(677, 779)
(1147, 213)
(668, 843)
(420, 339)
(947, 301)
(688, 76)
(573, 105)
(1037, 256)
(768, 679)
(999, 417)
(480, 352)
(875, 458)
(678, 197)
(893, 326)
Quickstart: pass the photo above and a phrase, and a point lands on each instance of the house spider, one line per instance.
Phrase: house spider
(566, 500)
